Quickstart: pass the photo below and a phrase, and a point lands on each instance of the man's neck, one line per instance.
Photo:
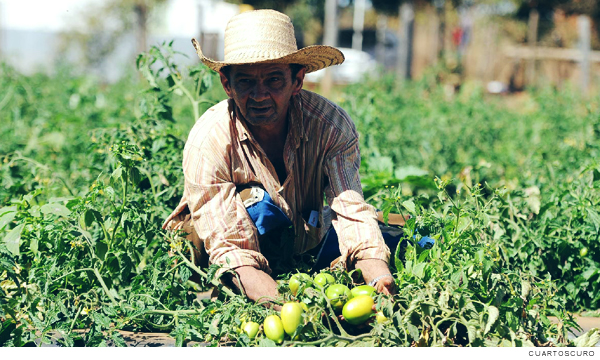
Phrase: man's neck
(272, 141)
(272, 134)
(269, 135)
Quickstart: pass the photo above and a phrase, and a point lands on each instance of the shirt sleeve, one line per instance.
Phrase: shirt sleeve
(354, 220)
(218, 213)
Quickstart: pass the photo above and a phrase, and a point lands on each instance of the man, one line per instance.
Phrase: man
(267, 155)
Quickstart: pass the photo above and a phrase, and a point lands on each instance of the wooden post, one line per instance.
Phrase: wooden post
(330, 35)
(534, 18)
(584, 26)
(380, 47)
(141, 14)
(440, 6)
(358, 24)
(405, 36)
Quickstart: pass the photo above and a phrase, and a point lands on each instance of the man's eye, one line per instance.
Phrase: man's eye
(275, 78)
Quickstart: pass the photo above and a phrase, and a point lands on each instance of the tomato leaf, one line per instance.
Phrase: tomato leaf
(56, 209)
(117, 339)
(117, 173)
(398, 259)
(7, 218)
(13, 240)
(413, 331)
(525, 288)
(264, 342)
(493, 314)
(418, 270)
(594, 217)
(90, 216)
(472, 331)
(33, 245)
(8, 209)
(589, 273)
(589, 339)
(184, 273)
(410, 206)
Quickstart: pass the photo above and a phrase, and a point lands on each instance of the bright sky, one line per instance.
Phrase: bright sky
(47, 15)
(179, 18)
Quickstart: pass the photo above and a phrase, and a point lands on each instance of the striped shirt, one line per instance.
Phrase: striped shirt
(321, 155)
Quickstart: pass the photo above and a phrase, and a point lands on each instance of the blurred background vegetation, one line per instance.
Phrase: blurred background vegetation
(506, 44)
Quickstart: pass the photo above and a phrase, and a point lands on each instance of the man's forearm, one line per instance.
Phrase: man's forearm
(257, 284)
(377, 269)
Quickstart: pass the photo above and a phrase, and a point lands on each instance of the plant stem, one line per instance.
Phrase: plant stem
(116, 225)
(337, 323)
(74, 319)
(214, 282)
(112, 299)
(174, 312)
(70, 273)
(186, 92)
(329, 337)
(457, 222)
(147, 173)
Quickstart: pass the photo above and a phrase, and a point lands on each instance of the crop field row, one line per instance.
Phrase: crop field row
(88, 173)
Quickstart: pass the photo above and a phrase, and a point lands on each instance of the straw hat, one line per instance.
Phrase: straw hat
(267, 36)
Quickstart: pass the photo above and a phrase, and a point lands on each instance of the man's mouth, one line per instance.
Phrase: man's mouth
(260, 110)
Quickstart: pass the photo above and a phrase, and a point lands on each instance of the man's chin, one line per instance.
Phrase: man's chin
(261, 120)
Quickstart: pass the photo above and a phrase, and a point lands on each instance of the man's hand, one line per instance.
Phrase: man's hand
(373, 268)
(257, 285)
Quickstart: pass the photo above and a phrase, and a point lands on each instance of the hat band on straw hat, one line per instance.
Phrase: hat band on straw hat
(267, 36)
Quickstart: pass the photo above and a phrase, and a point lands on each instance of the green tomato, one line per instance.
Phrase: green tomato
(363, 290)
(291, 316)
(273, 328)
(304, 306)
(583, 252)
(381, 318)
(295, 281)
(338, 294)
(323, 279)
(358, 310)
(251, 329)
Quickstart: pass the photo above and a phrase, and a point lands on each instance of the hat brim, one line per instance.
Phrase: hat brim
(313, 58)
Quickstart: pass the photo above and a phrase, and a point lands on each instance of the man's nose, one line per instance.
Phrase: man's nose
(259, 92)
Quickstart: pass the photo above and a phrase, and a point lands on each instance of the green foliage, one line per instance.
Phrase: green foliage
(81, 212)
(95, 256)
(545, 157)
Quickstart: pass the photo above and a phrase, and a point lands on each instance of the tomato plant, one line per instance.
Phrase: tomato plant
(88, 172)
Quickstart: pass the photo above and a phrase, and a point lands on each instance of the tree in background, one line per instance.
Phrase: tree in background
(307, 16)
(101, 28)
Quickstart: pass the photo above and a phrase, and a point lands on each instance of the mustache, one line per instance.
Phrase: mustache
(261, 104)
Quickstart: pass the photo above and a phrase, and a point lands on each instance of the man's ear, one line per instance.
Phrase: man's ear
(299, 80)
(226, 84)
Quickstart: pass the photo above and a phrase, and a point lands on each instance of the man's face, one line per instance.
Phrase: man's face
(262, 92)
